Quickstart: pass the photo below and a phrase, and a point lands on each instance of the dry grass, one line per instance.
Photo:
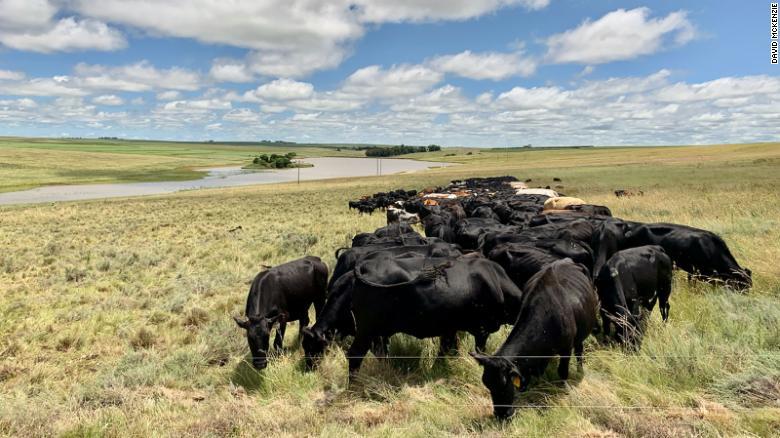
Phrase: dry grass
(116, 316)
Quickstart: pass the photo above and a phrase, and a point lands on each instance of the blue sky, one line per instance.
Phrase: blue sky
(456, 72)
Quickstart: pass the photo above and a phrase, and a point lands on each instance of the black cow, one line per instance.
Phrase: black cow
(632, 278)
(282, 294)
(336, 317)
(701, 253)
(557, 313)
(391, 231)
(439, 225)
(470, 232)
(429, 297)
(594, 210)
(346, 258)
(522, 260)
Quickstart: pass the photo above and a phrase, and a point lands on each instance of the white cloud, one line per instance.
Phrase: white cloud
(380, 11)
(169, 95)
(287, 38)
(68, 34)
(723, 88)
(619, 35)
(490, 65)
(24, 15)
(397, 81)
(242, 115)
(57, 86)
(141, 76)
(534, 98)
(108, 99)
(9, 75)
(197, 105)
(230, 70)
(283, 89)
(443, 100)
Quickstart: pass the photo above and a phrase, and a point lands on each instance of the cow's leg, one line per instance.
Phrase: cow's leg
(448, 344)
(480, 341)
(380, 346)
(605, 323)
(319, 303)
(356, 353)
(279, 338)
(563, 365)
(578, 349)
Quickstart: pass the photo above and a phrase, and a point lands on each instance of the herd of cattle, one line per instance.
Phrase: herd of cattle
(494, 253)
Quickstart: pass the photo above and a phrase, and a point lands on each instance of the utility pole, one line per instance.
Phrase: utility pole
(299, 171)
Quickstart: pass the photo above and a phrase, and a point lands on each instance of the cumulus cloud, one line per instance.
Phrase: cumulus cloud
(284, 89)
(108, 99)
(9, 75)
(169, 95)
(443, 100)
(140, 76)
(490, 65)
(396, 81)
(230, 70)
(619, 35)
(286, 38)
(380, 11)
(22, 15)
(68, 34)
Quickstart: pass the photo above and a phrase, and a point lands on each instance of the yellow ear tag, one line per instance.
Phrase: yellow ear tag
(516, 381)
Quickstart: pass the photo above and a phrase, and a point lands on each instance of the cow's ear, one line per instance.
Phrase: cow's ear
(482, 359)
(243, 323)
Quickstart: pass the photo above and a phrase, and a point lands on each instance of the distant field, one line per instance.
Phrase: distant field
(27, 163)
(116, 314)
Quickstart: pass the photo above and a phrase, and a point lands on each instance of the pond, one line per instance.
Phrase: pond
(324, 168)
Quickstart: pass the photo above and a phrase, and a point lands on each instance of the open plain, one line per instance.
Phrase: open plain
(115, 315)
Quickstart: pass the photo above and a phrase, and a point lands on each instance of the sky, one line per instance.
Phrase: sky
(449, 72)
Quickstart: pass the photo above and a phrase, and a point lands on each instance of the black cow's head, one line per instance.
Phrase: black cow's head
(314, 345)
(502, 379)
(740, 279)
(258, 334)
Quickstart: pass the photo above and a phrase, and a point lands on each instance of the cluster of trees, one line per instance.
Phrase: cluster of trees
(390, 151)
(274, 160)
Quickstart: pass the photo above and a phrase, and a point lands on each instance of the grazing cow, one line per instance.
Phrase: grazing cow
(347, 258)
(439, 226)
(428, 297)
(561, 202)
(557, 313)
(335, 319)
(522, 260)
(401, 230)
(701, 253)
(632, 278)
(590, 209)
(470, 232)
(280, 295)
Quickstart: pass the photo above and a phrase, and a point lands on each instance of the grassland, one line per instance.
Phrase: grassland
(115, 315)
(28, 163)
